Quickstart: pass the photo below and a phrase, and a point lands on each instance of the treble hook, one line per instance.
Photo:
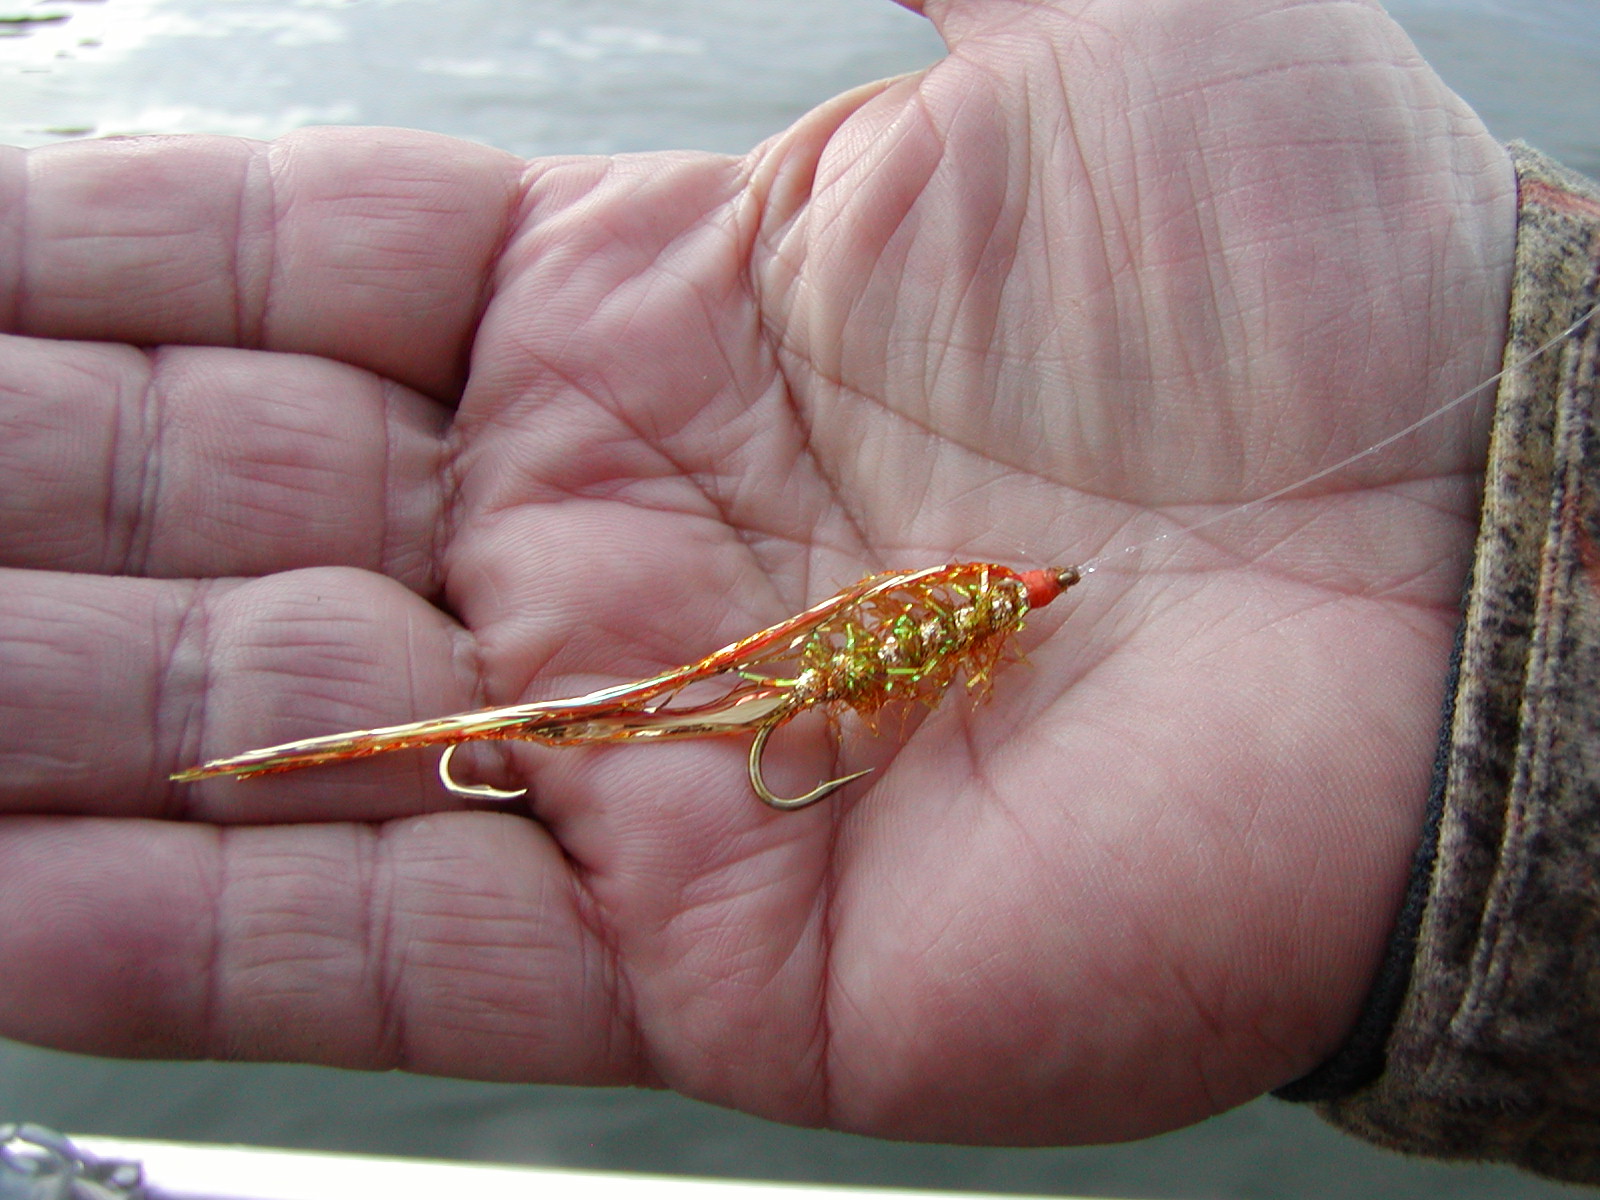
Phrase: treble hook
(821, 791)
(471, 791)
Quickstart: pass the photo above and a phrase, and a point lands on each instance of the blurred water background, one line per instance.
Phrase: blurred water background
(597, 76)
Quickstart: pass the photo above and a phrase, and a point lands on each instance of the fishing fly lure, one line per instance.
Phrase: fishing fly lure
(899, 635)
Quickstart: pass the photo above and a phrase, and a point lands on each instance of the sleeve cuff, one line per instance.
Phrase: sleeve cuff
(1482, 1036)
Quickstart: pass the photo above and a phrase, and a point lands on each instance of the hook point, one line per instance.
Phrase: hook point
(821, 792)
(471, 791)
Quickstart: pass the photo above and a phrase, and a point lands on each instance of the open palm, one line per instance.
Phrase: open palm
(429, 428)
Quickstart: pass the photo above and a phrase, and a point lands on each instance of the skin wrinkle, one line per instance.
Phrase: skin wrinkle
(805, 450)
(1012, 245)
(266, 496)
(846, 179)
(331, 652)
(819, 1044)
(703, 479)
(156, 702)
(825, 1042)
(1074, 141)
(991, 794)
(111, 509)
(271, 256)
(746, 533)
(1310, 605)
(517, 200)
(1216, 1099)
(704, 896)
(627, 1046)
(635, 1052)
(617, 412)
(879, 265)
(672, 249)
(1399, 488)
(386, 486)
(853, 520)
(1202, 533)
(193, 623)
(448, 520)
(1338, 69)
(139, 510)
(210, 1018)
(423, 491)
(839, 1112)
(719, 508)
(437, 490)
(1221, 284)
(242, 334)
(1178, 979)
(397, 1020)
(945, 342)
(385, 953)
(927, 430)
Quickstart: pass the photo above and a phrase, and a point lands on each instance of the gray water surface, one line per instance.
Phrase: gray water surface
(533, 76)
(602, 76)
(538, 77)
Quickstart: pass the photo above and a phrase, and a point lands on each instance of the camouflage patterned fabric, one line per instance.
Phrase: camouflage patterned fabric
(1482, 1037)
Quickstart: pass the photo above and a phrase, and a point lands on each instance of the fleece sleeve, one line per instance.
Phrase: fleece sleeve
(1482, 1039)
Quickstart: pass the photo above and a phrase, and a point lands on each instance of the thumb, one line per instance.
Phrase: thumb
(958, 19)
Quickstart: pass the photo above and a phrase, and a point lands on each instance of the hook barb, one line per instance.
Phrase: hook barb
(820, 792)
(471, 791)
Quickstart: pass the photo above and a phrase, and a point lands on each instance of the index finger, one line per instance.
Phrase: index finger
(370, 246)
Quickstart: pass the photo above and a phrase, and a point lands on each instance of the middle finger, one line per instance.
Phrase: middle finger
(196, 462)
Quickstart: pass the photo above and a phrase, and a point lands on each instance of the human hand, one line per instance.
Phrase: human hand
(430, 428)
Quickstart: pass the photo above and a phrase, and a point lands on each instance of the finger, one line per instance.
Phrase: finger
(113, 684)
(367, 246)
(449, 944)
(208, 462)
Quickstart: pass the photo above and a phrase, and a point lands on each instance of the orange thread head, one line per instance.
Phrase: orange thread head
(1045, 584)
